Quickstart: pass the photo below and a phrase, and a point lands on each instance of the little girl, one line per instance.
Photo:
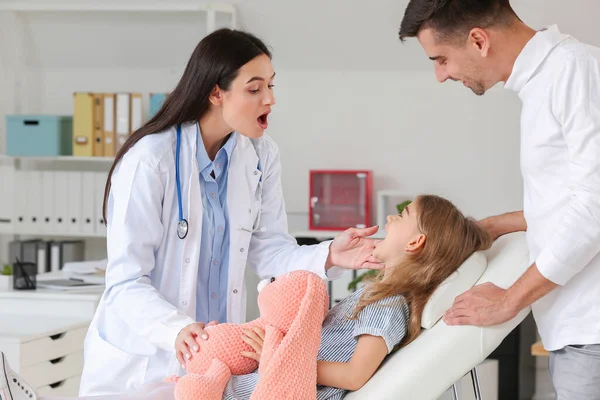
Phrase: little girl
(424, 245)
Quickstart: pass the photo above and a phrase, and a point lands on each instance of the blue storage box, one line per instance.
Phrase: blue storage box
(39, 135)
(156, 102)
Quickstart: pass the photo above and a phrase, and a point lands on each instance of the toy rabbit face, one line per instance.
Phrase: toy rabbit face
(281, 299)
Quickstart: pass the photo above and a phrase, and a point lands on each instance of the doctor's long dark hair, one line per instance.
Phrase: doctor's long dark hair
(216, 60)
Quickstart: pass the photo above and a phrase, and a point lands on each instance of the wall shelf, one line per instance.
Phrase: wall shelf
(113, 6)
(58, 158)
(69, 190)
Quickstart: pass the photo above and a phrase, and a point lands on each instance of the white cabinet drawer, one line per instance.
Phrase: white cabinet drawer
(65, 388)
(50, 372)
(52, 347)
(29, 340)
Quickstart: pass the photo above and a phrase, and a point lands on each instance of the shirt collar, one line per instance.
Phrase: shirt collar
(532, 56)
(202, 156)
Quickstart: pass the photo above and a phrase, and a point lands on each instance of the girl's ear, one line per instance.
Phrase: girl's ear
(416, 243)
(216, 96)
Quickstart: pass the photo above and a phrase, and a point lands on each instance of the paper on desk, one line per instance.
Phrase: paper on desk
(85, 267)
(87, 271)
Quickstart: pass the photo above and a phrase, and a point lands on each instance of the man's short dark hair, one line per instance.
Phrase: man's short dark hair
(453, 19)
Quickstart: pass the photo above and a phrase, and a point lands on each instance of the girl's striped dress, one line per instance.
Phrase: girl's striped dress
(387, 318)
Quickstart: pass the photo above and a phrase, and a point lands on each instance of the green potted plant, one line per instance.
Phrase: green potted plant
(352, 286)
(6, 279)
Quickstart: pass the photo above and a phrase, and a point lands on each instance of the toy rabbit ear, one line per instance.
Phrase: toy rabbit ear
(295, 359)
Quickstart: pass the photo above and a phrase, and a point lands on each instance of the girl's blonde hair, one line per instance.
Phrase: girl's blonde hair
(450, 239)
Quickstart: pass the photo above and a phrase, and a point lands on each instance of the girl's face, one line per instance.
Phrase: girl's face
(247, 104)
(403, 236)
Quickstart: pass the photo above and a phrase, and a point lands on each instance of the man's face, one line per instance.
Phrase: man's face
(461, 62)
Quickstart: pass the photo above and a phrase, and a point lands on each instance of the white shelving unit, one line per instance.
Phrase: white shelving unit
(25, 78)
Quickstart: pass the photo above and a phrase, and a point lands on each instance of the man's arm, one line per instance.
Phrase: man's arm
(502, 224)
(574, 239)
(530, 287)
(352, 375)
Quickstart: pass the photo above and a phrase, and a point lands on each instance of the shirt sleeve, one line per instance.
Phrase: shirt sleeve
(575, 239)
(386, 318)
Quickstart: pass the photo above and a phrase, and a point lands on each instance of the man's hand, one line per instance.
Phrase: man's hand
(499, 225)
(352, 250)
(483, 305)
(488, 225)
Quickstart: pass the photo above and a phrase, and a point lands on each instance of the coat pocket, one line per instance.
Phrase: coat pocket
(108, 369)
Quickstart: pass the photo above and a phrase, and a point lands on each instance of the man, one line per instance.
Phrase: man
(481, 43)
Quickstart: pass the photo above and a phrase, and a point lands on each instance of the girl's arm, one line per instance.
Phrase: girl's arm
(352, 375)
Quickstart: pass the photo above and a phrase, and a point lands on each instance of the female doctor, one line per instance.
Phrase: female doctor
(192, 197)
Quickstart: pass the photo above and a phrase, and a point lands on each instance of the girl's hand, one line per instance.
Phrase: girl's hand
(255, 338)
(186, 340)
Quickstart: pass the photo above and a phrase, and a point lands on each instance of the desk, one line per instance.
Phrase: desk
(80, 303)
(538, 350)
(46, 351)
(42, 333)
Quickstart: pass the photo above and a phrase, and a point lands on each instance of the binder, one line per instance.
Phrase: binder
(7, 202)
(100, 182)
(20, 200)
(43, 257)
(136, 112)
(88, 202)
(123, 125)
(55, 256)
(71, 251)
(109, 125)
(74, 202)
(62, 252)
(24, 250)
(34, 202)
(98, 146)
(83, 124)
(47, 218)
(61, 212)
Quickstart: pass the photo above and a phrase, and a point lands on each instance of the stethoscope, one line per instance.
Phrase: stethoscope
(182, 225)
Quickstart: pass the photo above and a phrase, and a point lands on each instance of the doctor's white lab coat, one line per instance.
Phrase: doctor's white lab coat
(151, 276)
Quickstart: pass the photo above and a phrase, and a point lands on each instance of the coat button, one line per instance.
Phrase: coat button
(255, 172)
(234, 291)
(187, 260)
(213, 296)
(184, 303)
(249, 211)
(242, 250)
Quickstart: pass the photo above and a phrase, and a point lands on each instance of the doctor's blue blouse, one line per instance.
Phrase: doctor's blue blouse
(211, 292)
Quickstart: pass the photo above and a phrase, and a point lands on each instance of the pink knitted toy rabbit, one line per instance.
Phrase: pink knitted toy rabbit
(292, 310)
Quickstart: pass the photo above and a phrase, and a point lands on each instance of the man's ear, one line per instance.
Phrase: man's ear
(416, 243)
(216, 96)
(479, 39)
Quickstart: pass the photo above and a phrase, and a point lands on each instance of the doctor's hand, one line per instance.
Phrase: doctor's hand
(186, 340)
(483, 305)
(255, 338)
(352, 250)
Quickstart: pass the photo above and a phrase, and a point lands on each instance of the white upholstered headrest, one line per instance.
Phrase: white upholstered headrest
(456, 284)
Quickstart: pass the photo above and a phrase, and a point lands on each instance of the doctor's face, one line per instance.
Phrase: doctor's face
(247, 103)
